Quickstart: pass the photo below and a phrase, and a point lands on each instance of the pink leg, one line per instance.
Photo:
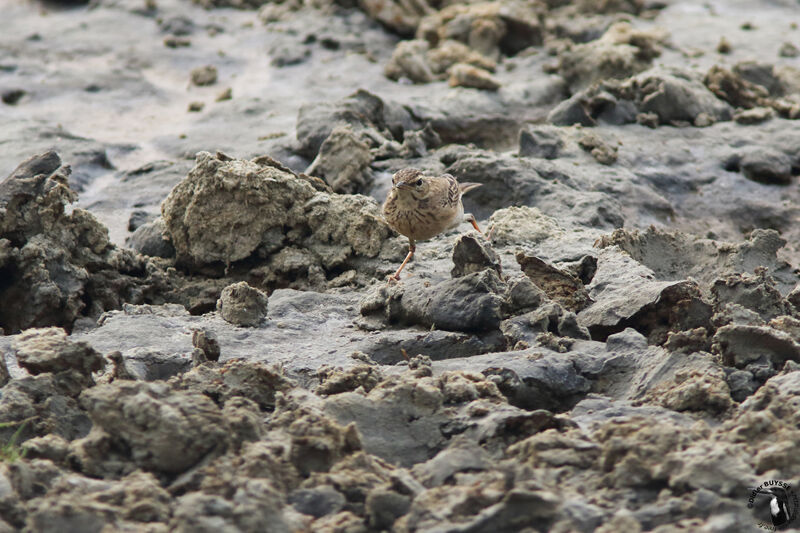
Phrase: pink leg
(411, 249)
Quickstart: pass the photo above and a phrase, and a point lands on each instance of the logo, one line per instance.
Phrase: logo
(774, 504)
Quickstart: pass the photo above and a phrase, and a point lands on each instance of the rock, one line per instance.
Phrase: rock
(409, 60)
(449, 53)
(58, 264)
(157, 429)
(469, 303)
(490, 28)
(343, 162)
(602, 151)
(254, 381)
(756, 115)
(205, 75)
(733, 89)
(788, 49)
(50, 447)
(462, 75)
(674, 255)
(540, 141)
(148, 239)
(49, 350)
(206, 341)
(648, 308)
(757, 293)
(138, 218)
(399, 17)
(362, 110)
(336, 381)
(268, 213)
(766, 165)
(741, 345)
(473, 254)
(242, 305)
(557, 284)
(675, 96)
(620, 53)
(383, 507)
(4, 375)
(319, 501)
(254, 505)
(287, 54)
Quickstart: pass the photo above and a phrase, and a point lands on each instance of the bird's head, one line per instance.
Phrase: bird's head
(410, 181)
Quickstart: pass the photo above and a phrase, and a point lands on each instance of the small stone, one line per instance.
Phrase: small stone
(603, 152)
(203, 76)
(756, 115)
(384, 507)
(703, 120)
(242, 305)
(12, 96)
(177, 42)
(206, 341)
(473, 254)
(463, 75)
(227, 94)
(788, 49)
(318, 501)
(724, 46)
(542, 141)
(196, 107)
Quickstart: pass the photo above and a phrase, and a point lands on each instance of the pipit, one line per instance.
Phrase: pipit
(421, 207)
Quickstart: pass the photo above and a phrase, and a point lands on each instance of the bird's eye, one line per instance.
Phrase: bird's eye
(419, 183)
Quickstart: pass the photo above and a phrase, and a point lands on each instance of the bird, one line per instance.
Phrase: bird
(421, 207)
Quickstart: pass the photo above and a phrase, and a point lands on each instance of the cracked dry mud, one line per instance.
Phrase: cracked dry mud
(197, 331)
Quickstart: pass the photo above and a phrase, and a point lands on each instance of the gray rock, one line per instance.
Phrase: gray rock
(242, 305)
(458, 458)
(163, 431)
(148, 239)
(675, 96)
(540, 141)
(617, 304)
(319, 501)
(138, 218)
(742, 384)
(362, 109)
(766, 166)
(383, 507)
(277, 215)
(473, 253)
(470, 303)
(343, 161)
(205, 75)
(741, 345)
(58, 264)
(49, 350)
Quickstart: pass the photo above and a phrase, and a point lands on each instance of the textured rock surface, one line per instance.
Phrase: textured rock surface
(619, 351)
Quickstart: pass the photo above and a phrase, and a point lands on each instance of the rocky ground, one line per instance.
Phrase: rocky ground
(198, 330)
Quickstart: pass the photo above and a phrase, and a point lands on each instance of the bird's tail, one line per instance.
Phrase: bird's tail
(466, 187)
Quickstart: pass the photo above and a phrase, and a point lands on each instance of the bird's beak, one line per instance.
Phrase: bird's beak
(401, 185)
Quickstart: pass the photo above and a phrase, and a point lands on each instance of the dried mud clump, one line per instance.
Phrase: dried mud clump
(57, 264)
(227, 211)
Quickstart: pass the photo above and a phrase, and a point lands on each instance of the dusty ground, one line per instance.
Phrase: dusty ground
(198, 334)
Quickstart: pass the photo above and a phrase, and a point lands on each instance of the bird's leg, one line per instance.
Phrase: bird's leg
(411, 249)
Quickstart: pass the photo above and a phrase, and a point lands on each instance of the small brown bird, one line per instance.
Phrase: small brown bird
(421, 207)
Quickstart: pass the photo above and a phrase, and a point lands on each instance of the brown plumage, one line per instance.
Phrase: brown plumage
(421, 207)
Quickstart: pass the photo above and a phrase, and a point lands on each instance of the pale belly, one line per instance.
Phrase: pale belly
(420, 226)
